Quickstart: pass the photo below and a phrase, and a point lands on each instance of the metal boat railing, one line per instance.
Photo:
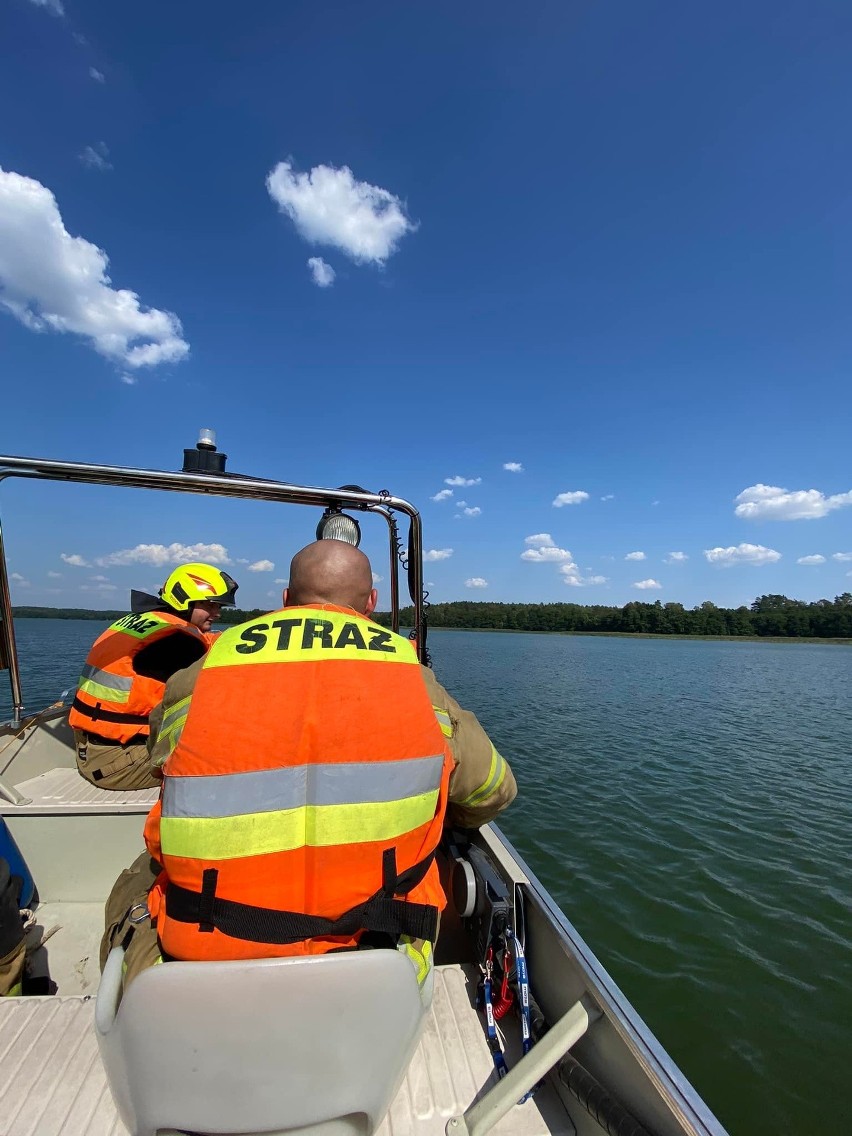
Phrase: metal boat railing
(218, 485)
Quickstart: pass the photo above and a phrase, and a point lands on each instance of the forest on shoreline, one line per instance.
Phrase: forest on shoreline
(770, 616)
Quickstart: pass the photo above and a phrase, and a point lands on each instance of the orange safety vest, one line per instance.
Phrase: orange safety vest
(112, 700)
(305, 796)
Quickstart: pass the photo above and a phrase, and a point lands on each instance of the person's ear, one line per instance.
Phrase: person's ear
(371, 602)
(285, 598)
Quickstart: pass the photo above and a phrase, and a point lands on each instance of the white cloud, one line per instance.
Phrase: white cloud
(458, 480)
(17, 578)
(96, 157)
(741, 554)
(547, 554)
(100, 579)
(438, 554)
(574, 579)
(645, 585)
(75, 560)
(98, 588)
(635, 556)
(676, 558)
(442, 495)
(377, 579)
(772, 503)
(55, 575)
(513, 467)
(329, 207)
(540, 540)
(572, 498)
(609, 497)
(53, 6)
(262, 566)
(49, 279)
(322, 273)
(97, 75)
(281, 580)
(469, 511)
(841, 556)
(815, 559)
(129, 380)
(476, 582)
(162, 554)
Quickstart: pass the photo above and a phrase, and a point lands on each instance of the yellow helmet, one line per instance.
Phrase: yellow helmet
(191, 583)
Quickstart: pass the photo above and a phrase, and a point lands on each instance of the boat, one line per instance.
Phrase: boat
(335, 1045)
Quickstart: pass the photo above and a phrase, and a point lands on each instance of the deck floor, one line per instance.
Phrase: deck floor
(52, 1082)
(63, 790)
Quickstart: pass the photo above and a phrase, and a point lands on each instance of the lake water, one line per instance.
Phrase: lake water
(689, 805)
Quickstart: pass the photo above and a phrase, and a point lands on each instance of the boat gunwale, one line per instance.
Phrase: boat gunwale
(674, 1086)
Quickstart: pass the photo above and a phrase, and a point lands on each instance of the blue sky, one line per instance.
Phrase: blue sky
(608, 242)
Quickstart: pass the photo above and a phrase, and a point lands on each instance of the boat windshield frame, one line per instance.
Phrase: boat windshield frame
(409, 555)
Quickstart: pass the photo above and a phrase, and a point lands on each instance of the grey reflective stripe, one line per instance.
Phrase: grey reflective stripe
(104, 678)
(178, 710)
(274, 790)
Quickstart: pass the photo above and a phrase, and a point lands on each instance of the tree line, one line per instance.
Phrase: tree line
(769, 615)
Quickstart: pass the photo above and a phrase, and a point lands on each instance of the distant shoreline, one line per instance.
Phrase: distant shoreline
(108, 616)
(651, 635)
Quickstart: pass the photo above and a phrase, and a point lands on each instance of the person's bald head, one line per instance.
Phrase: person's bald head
(333, 572)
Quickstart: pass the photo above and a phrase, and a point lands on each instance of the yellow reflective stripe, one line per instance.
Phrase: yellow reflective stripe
(444, 721)
(171, 729)
(420, 959)
(312, 826)
(171, 736)
(157, 962)
(321, 636)
(104, 693)
(179, 709)
(496, 777)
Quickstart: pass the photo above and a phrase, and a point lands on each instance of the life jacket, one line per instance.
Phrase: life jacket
(305, 797)
(112, 700)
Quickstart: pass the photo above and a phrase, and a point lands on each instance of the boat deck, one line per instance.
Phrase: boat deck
(52, 1082)
(61, 791)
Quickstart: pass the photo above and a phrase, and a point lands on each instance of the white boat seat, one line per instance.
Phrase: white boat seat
(64, 791)
(316, 1045)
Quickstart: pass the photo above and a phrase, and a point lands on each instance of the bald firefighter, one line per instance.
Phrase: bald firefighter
(310, 764)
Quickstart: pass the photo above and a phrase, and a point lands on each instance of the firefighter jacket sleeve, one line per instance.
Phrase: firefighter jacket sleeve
(482, 784)
(166, 720)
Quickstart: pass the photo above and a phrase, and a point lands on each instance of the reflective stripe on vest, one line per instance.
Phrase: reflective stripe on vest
(102, 684)
(279, 810)
(496, 777)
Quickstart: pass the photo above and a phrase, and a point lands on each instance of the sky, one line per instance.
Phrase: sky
(573, 278)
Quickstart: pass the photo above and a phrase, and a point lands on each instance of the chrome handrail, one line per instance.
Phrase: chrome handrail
(217, 485)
